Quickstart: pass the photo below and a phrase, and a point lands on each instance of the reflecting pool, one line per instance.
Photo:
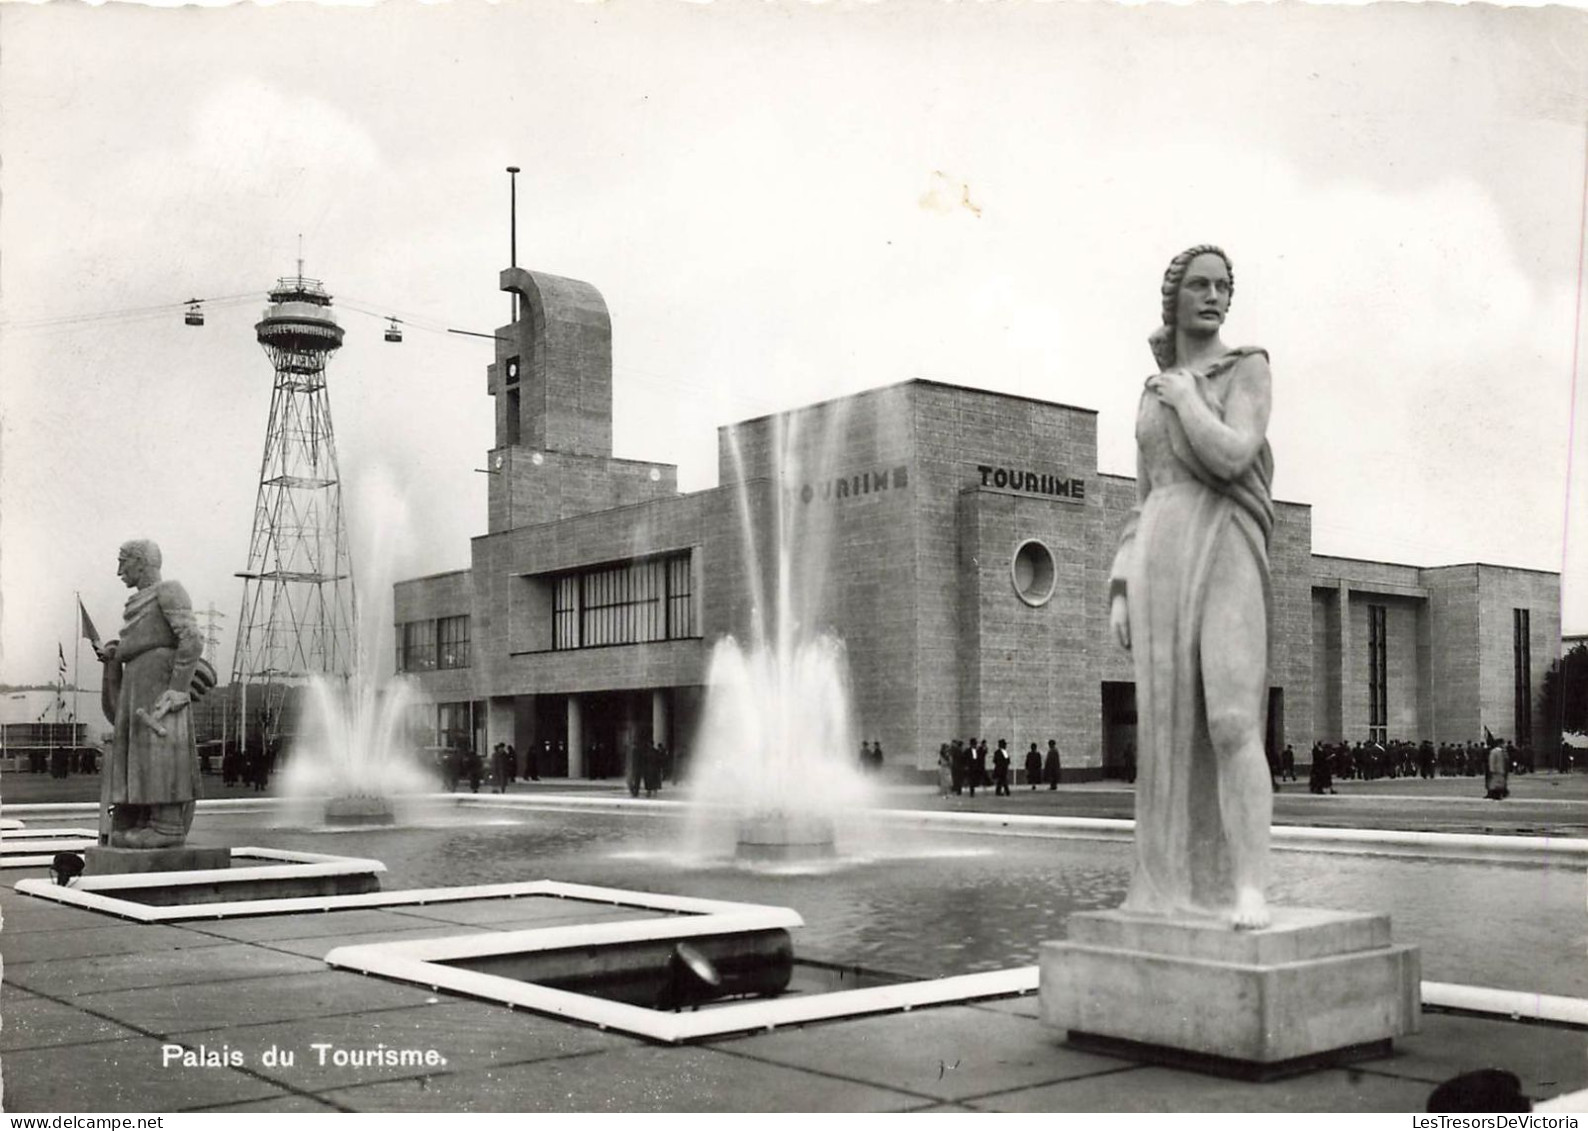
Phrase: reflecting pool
(930, 903)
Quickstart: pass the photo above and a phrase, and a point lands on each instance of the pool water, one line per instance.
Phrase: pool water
(921, 903)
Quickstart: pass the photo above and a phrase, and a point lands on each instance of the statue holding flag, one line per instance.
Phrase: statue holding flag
(151, 777)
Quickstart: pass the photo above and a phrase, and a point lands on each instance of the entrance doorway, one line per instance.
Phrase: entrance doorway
(1274, 734)
(1119, 731)
(616, 725)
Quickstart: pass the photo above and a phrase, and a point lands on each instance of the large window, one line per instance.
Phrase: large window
(416, 646)
(452, 642)
(1521, 627)
(1377, 675)
(455, 724)
(630, 603)
(425, 645)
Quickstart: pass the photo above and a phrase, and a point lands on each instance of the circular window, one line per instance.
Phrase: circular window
(1033, 572)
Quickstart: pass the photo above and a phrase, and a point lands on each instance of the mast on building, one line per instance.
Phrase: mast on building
(299, 615)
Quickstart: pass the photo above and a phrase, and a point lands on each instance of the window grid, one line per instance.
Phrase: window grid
(1521, 627)
(1378, 674)
(633, 603)
(452, 642)
(416, 651)
(454, 724)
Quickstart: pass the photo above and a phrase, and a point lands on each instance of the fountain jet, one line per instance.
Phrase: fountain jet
(777, 744)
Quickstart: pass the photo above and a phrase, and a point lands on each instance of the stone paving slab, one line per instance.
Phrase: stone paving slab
(220, 1005)
(1166, 1089)
(527, 912)
(1026, 1005)
(303, 925)
(1549, 1061)
(322, 945)
(21, 913)
(469, 1035)
(121, 1076)
(302, 1104)
(31, 1021)
(946, 1053)
(641, 1079)
(119, 937)
(144, 970)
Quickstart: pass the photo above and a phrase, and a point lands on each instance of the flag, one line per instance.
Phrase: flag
(61, 648)
(90, 633)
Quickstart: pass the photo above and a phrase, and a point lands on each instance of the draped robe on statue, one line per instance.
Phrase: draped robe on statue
(159, 648)
(1190, 531)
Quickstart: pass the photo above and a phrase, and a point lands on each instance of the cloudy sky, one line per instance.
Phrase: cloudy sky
(780, 203)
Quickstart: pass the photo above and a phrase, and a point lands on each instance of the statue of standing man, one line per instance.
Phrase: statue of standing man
(152, 773)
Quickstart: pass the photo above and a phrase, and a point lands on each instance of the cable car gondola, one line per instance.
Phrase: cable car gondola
(394, 331)
(195, 313)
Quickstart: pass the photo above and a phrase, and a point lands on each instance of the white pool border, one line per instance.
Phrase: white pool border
(422, 962)
(97, 893)
(36, 848)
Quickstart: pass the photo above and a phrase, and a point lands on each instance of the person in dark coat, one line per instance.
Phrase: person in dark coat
(972, 770)
(1321, 779)
(956, 767)
(982, 776)
(1051, 770)
(1001, 769)
(653, 770)
(1033, 766)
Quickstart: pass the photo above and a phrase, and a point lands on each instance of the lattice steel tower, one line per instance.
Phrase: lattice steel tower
(299, 615)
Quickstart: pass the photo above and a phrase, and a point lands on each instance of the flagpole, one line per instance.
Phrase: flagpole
(77, 654)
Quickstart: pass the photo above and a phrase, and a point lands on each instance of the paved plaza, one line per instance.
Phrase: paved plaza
(92, 1005)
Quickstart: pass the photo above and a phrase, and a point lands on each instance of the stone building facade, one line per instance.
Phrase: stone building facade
(957, 540)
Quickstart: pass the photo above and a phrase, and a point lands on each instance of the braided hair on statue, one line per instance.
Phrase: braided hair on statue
(1161, 340)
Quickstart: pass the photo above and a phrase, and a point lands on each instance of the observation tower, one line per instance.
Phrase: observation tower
(299, 616)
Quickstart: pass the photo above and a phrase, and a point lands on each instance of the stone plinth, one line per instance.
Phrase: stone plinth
(102, 861)
(1314, 988)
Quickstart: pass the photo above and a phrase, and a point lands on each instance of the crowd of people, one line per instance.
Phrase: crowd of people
(250, 765)
(1371, 761)
(63, 761)
(963, 766)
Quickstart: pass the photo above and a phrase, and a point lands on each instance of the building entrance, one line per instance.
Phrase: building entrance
(1274, 735)
(1119, 731)
(616, 725)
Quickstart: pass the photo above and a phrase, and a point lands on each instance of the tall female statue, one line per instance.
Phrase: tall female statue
(1190, 598)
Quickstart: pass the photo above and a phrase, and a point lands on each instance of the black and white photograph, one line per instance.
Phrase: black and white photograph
(588, 556)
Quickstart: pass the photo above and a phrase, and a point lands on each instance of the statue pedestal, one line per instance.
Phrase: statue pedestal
(102, 861)
(1314, 988)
